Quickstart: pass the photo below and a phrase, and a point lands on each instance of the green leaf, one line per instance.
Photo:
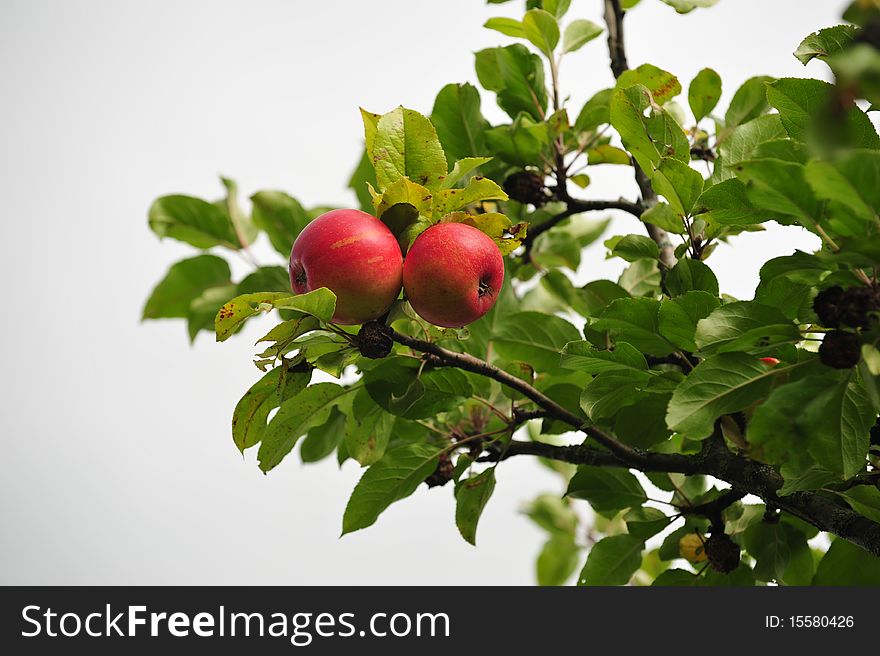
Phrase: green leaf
(744, 326)
(284, 334)
(362, 179)
(678, 317)
(824, 43)
(799, 101)
(676, 578)
(519, 143)
(241, 308)
(585, 357)
(781, 553)
(462, 168)
(644, 522)
(846, 564)
(406, 145)
(801, 267)
(770, 548)
(252, 411)
(606, 489)
(320, 303)
(563, 245)
(494, 225)
(627, 117)
(553, 514)
(185, 281)
(582, 180)
(586, 301)
(687, 6)
(507, 26)
(556, 7)
(393, 385)
(281, 217)
(633, 247)
(246, 230)
(371, 125)
(865, 500)
(780, 187)
(662, 216)
(717, 386)
(541, 29)
(311, 407)
(265, 279)
(595, 112)
(691, 275)
(608, 393)
(394, 477)
(517, 77)
(534, 337)
(704, 93)
(647, 138)
(477, 189)
(612, 561)
(401, 205)
(727, 204)
(641, 278)
(205, 306)
(606, 154)
(597, 295)
(368, 430)
(578, 33)
(743, 142)
(838, 422)
(192, 220)
(749, 102)
(852, 180)
(642, 424)
(558, 560)
(635, 320)
(459, 122)
(322, 440)
(471, 496)
(779, 435)
(801, 567)
(678, 183)
(664, 86)
(811, 478)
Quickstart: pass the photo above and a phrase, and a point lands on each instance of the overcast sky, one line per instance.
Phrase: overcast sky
(118, 465)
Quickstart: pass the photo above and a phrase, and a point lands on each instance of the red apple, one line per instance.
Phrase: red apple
(770, 361)
(453, 274)
(354, 255)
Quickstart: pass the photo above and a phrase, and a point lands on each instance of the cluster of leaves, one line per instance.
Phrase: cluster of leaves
(660, 358)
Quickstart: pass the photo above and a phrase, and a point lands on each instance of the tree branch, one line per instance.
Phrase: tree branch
(576, 206)
(468, 362)
(617, 51)
(744, 475)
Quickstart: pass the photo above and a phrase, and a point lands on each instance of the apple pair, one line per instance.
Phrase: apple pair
(452, 273)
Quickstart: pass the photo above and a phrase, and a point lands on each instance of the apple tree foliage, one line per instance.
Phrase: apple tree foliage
(700, 439)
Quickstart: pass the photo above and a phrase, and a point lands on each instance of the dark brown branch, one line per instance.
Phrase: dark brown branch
(614, 20)
(712, 510)
(576, 206)
(617, 51)
(745, 475)
(468, 362)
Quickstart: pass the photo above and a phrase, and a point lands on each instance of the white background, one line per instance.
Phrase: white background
(118, 466)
